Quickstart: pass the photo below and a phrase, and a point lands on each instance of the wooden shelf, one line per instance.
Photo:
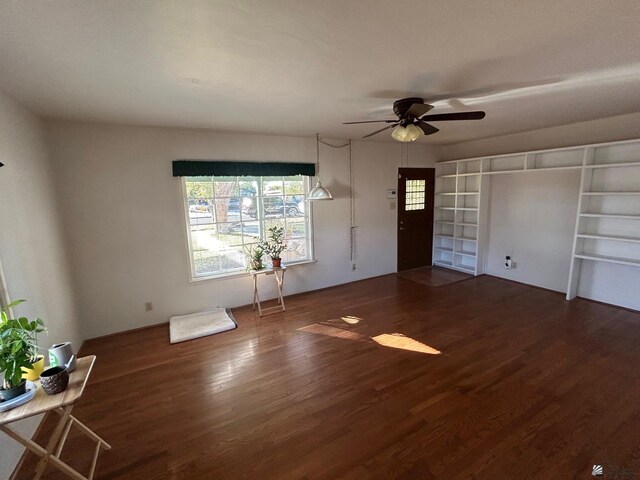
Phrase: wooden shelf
(615, 238)
(444, 249)
(612, 215)
(467, 224)
(468, 193)
(467, 209)
(464, 268)
(450, 175)
(466, 239)
(445, 222)
(443, 263)
(563, 167)
(443, 235)
(611, 193)
(446, 193)
(614, 165)
(445, 208)
(603, 258)
(466, 254)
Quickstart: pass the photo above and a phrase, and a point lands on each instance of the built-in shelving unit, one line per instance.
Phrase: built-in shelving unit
(607, 226)
(458, 194)
(608, 218)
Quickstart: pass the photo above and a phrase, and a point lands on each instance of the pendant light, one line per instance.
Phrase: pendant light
(319, 192)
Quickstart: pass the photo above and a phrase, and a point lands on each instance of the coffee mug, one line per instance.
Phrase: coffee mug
(61, 354)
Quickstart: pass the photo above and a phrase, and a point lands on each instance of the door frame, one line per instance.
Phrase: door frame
(429, 197)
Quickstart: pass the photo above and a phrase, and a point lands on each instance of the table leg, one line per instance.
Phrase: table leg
(256, 296)
(280, 281)
(42, 464)
(41, 452)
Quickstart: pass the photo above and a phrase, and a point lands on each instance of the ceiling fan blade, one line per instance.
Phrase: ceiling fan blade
(378, 131)
(370, 121)
(418, 109)
(441, 117)
(426, 128)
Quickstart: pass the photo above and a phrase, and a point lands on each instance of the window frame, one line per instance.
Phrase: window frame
(193, 278)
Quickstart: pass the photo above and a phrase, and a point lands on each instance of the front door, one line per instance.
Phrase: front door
(415, 217)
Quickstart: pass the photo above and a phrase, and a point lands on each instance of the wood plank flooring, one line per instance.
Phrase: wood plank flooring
(527, 386)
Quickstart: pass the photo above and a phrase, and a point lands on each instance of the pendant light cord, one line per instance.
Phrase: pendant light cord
(352, 203)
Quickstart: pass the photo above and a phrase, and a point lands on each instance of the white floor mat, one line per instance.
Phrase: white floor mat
(188, 327)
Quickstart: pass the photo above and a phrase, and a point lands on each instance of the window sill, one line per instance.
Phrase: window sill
(227, 276)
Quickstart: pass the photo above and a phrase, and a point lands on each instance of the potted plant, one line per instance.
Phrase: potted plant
(18, 350)
(274, 245)
(254, 257)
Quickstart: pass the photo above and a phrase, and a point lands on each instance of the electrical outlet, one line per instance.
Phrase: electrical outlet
(353, 267)
(148, 306)
(507, 263)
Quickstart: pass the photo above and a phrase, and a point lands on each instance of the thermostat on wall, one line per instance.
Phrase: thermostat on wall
(391, 193)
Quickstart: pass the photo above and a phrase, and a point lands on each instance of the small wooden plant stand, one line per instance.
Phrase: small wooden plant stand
(62, 404)
(278, 273)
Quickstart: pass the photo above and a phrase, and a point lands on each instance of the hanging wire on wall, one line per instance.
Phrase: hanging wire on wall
(352, 204)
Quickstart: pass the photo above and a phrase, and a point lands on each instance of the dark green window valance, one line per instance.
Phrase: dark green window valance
(201, 168)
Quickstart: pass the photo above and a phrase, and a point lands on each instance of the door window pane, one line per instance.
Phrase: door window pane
(414, 195)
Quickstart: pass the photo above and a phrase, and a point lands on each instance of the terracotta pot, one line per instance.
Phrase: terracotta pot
(276, 262)
(32, 374)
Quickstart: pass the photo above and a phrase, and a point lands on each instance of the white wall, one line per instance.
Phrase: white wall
(531, 217)
(124, 222)
(31, 247)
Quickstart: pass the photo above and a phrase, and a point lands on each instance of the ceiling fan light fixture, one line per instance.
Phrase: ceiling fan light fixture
(406, 134)
(400, 134)
(413, 132)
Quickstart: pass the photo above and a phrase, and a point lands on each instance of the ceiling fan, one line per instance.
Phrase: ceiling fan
(412, 121)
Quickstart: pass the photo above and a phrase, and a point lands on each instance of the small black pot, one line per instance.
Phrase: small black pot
(54, 380)
(14, 392)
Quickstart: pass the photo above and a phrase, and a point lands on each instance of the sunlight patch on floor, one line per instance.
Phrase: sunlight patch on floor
(333, 332)
(351, 320)
(398, 340)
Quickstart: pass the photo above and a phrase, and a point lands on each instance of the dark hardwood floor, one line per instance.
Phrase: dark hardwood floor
(527, 386)
(434, 276)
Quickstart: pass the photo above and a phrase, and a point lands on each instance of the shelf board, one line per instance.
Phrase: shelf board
(464, 268)
(443, 263)
(445, 222)
(468, 193)
(467, 239)
(612, 215)
(467, 209)
(446, 208)
(467, 224)
(450, 175)
(466, 254)
(614, 165)
(616, 238)
(562, 167)
(611, 193)
(444, 249)
(446, 193)
(443, 235)
(603, 258)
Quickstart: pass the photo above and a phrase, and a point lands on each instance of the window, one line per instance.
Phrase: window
(228, 215)
(414, 195)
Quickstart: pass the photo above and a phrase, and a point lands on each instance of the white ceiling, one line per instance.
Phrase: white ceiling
(299, 67)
